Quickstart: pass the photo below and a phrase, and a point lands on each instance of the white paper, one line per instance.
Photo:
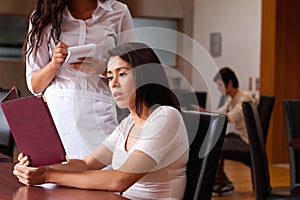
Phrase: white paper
(82, 51)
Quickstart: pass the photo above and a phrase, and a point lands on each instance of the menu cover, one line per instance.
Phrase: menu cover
(33, 129)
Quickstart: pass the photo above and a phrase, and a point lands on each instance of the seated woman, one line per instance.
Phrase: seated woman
(148, 151)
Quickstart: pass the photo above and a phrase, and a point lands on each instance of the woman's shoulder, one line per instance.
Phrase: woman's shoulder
(117, 5)
(166, 111)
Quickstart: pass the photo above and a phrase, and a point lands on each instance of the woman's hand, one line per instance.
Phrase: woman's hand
(28, 175)
(60, 53)
(42, 78)
(89, 65)
(23, 160)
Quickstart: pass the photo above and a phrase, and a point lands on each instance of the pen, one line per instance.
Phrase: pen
(56, 41)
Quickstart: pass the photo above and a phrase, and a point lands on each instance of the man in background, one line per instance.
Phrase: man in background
(236, 138)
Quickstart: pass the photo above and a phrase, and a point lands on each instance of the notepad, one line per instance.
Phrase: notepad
(82, 51)
(33, 129)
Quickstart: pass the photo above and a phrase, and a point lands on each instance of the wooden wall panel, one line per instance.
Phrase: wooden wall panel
(267, 68)
(280, 66)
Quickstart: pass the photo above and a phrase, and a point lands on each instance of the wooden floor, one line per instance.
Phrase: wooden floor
(240, 175)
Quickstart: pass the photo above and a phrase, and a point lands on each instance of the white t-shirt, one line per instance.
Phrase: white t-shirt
(165, 140)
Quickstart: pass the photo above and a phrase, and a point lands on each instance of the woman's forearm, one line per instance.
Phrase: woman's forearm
(111, 180)
(41, 79)
(72, 165)
(88, 163)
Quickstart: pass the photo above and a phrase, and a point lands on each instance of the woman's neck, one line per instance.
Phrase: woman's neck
(82, 9)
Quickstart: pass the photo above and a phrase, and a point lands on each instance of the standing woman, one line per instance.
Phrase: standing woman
(79, 100)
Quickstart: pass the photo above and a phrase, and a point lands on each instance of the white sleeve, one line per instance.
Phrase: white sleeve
(38, 61)
(160, 134)
(126, 27)
(104, 151)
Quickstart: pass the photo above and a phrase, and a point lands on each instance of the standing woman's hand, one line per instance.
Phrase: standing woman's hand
(60, 53)
(41, 79)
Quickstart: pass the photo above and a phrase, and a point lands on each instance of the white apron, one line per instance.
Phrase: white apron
(83, 112)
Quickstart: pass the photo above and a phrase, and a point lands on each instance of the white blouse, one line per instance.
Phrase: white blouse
(110, 25)
(81, 105)
(164, 140)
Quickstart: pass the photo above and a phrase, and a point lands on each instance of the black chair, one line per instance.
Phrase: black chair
(206, 133)
(190, 99)
(260, 167)
(7, 142)
(291, 109)
(265, 107)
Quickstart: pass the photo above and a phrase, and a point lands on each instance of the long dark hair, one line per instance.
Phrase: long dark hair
(47, 12)
(150, 78)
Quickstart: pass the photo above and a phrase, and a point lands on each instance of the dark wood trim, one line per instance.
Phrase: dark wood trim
(280, 66)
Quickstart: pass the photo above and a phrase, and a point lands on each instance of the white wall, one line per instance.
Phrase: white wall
(239, 22)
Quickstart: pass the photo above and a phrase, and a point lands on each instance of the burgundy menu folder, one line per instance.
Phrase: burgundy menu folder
(33, 129)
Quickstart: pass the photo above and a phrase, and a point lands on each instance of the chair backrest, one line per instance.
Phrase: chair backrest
(265, 108)
(206, 135)
(189, 99)
(6, 137)
(291, 109)
(260, 170)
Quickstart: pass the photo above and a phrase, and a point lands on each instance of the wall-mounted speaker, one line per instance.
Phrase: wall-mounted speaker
(216, 44)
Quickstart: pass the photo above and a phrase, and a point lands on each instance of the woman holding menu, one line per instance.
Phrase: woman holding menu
(149, 149)
(79, 100)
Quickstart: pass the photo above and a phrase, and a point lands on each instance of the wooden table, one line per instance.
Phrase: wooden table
(10, 188)
(4, 158)
(295, 143)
